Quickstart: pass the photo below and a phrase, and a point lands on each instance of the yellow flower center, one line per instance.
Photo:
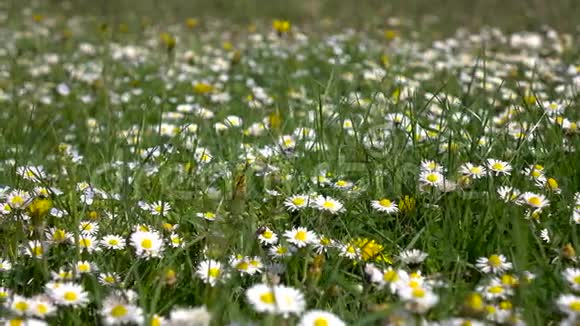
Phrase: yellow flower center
(155, 321)
(351, 249)
(298, 201)
(320, 321)
(16, 322)
(475, 170)
(119, 311)
(575, 306)
(418, 293)
(341, 183)
(494, 261)
(414, 284)
(552, 183)
(41, 308)
(18, 200)
(535, 201)
(214, 272)
(390, 276)
(268, 298)
(109, 279)
(243, 266)
(576, 279)
(147, 244)
(300, 236)
(21, 306)
(85, 242)
(282, 250)
(37, 251)
(432, 177)
(84, 268)
(328, 205)
(505, 305)
(324, 241)
(267, 234)
(59, 235)
(495, 289)
(385, 203)
(70, 296)
(113, 242)
(497, 166)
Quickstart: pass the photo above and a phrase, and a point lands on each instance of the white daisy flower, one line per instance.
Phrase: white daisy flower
(113, 242)
(497, 167)
(508, 194)
(42, 307)
(412, 256)
(572, 276)
(267, 237)
(5, 265)
(320, 317)
(431, 178)
(198, 316)
(473, 171)
(117, 311)
(536, 201)
(569, 304)
(297, 202)
(69, 294)
(211, 271)
(385, 205)
(147, 244)
(20, 305)
(109, 279)
(300, 237)
(328, 204)
(495, 263)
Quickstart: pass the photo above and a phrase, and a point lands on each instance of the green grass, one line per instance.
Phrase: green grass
(118, 110)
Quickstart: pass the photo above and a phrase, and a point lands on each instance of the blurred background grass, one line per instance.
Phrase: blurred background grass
(511, 15)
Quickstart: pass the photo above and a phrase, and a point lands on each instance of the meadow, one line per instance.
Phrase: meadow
(274, 163)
